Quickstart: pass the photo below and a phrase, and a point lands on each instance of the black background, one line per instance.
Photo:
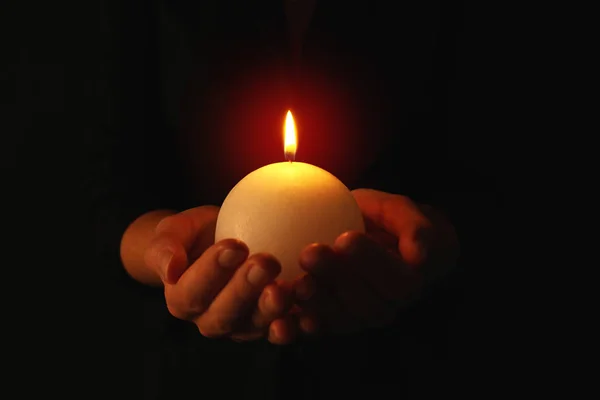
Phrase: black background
(74, 71)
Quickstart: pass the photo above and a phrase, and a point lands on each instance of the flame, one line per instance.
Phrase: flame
(290, 140)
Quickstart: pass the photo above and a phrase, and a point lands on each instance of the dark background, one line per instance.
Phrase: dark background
(78, 75)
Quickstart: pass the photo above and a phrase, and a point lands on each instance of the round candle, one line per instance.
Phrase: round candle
(283, 207)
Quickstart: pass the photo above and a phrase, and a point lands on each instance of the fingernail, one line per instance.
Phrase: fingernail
(304, 289)
(231, 258)
(164, 260)
(258, 276)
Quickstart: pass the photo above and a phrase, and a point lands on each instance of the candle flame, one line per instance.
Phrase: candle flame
(290, 141)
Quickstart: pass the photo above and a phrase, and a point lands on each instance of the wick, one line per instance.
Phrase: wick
(289, 156)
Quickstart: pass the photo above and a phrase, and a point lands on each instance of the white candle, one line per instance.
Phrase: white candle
(283, 207)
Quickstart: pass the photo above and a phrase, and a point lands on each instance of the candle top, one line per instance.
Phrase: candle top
(294, 176)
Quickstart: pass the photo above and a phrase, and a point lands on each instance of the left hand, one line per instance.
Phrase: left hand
(364, 279)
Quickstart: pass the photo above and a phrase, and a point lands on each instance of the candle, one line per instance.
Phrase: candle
(283, 207)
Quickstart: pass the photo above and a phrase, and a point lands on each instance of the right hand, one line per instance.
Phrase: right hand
(217, 286)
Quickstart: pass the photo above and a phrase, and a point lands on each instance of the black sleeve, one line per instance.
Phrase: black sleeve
(433, 159)
(134, 167)
(448, 321)
(82, 154)
(84, 136)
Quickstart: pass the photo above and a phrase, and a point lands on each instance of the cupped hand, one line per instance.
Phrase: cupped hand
(216, 285)
(363, 280)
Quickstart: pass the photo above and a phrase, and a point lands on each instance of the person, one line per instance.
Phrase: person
(360, 285)
(176, 102)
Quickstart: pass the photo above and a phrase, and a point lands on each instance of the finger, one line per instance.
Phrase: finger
(381, 236)
(316, 305)
(167, 257)
(321, 264)
(320, 261)
(282, 331)
(190, 225)
(176, 236)
(444, 238)
(382, 270)
(274, 301)
(308, 322)
(304, 287)
(201, 283)
(239, 296)
(399, 216)
(356, 298)
(272, 306)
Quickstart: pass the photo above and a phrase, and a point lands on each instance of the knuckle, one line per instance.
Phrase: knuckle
(184, 305)
(207, 332)
(214, 328)
(223, 326)
(192, 304)
(160, 245)
(166, 223)
(177, 312)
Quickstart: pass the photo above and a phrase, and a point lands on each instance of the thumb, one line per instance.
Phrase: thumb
(180, 239)
(401, 217)
(414, 244)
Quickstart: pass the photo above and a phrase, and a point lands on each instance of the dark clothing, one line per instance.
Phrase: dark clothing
(167, 104)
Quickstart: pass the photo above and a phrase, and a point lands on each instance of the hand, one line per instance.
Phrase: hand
(216, 286)
(364, 279)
